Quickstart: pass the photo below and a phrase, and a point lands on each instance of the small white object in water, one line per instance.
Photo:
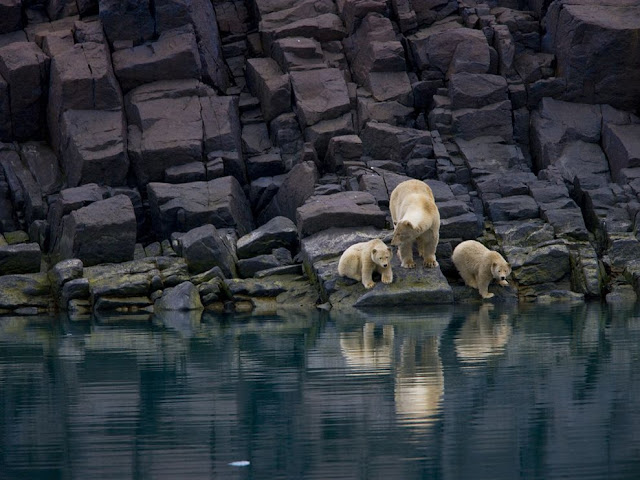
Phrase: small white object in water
(240, 463)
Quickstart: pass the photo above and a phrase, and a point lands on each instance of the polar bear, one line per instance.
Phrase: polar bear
(478, 265)
(360, 260)
(415, 218)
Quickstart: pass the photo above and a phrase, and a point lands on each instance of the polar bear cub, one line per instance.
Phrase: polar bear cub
(415, 219)
(478, 266)
(360, 260)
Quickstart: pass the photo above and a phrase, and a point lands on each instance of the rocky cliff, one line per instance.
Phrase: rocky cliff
(180, 154)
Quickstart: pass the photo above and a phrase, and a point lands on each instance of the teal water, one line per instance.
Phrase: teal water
(487, 392)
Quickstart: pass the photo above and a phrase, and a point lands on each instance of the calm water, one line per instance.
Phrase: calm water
(452, 393)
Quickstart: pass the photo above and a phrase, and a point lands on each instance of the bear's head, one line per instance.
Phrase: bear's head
(405, 231)
(500, 270)
(381, 255)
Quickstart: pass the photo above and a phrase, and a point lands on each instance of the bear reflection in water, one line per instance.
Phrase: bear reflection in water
(481, 336)
(414, 362)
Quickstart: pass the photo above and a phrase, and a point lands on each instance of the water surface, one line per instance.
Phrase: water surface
(446, 392)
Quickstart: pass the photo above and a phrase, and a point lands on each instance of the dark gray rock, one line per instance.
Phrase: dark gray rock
(20, 258)
(276, 233)
(255, 139)
(5, 111)
(249, 267)
(557, 123)
(382, 141)
(181, 207)
(184, 296)
(270, 85)
(544, 264)
(621, 143)
(475, 90)
(204, 248)
(65, 271)
(43, 165)
(344, 209)
(298, 53)
(130, 20)
(92, 147)
(26, 70)
(321, 133)
(10, 16)
(342, 148)
(25, 191)
(102, 232)
(189, 172)
(607, 31)
(485, 155)
(262, 191)
(527, 233)
(319, 95)
(75, 289)
(28, 290)
(494, 119)
(326, 27)
(517, 207)
(173, 56)
(297, 186)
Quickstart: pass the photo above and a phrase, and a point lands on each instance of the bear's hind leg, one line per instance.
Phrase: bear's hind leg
(427, 243)
(405, 252)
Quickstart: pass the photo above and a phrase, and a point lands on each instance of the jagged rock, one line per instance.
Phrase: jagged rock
(623, 249)
(608, 32)
(527, 233)
(326, 27)
(344, 209)
(392, 112)
(181, 207)
(475, 90)
(5, 111)
(204, 248)
(495, 185)
(587, 274)
(353, 11)
(450, 48)
(544, 264)
(557, 123)
(319, 95)
(65, 271)
(92, 146)
(190, 172)
(270, 85)
(255, 139)
(384, 141)
(262, 191)
(20, 258)
(533, 66)
(249, 267)
(287, 136)
(75, 289)
(581, 160)
(494, 119)
(130, 20)
(173, 56)
(506, 49)
(27, 290)
(298, 53)
(43, 165)
(491, 155)
(102, 232)
(26, 70)
(276, 233)
(10, 16)
(297, 186)
(621, 143)
(184, 296)
(342, 148)
(516, 207)
(25, 191)
(321, 133)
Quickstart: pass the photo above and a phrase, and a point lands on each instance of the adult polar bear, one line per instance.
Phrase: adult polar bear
(415, 219)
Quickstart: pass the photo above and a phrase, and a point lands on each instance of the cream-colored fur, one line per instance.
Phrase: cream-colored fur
(478, 265)
(415, 219)
(360, 260)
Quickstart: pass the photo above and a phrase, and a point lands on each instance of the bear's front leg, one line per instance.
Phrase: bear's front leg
(405, 252)
(427, 244)
(367, 276)
(387, 275)
(483, 286)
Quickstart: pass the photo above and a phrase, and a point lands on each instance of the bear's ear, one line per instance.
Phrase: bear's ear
(374, 251)
(406, 224)
(494, 265)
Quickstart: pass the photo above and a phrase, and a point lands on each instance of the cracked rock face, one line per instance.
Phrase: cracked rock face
(212, 152)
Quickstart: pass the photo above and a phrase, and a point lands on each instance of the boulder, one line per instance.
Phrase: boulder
(386, 142)
(5, 112)
(557, 123)
(298, 185)
(182, 207)
(341, 149)
(298, 53)
(608, 31)
(132, 20)
(81, 79)
(517, 207)
(204, 248)
(319, 95)
(581, 160)
(319, 135)
(450, 48)
(269, 164)
(344, 209)
(621, 143)
(182, 297)
(20, 258)
(279, 232)
(326, 27)
(267, 82)
(32, 290)
(545, 264)
(493, 119)
(10, 16)
(255, 138)
(173, 56)
(25, 191)
(92, 146)
(476, 90)
(65, 271)
(25, 68)
(249, 267)
(43, 165)
(190, 172)
(102, 232)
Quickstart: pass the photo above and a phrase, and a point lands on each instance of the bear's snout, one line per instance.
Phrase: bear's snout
(503, 277)
(384, 265)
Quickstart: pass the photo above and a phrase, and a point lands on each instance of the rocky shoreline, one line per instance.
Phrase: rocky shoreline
(162, 155)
